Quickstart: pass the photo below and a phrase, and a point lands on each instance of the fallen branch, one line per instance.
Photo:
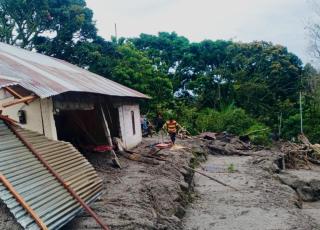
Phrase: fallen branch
(306, 141)
(203, 174)
(314, 161)
(212, 178)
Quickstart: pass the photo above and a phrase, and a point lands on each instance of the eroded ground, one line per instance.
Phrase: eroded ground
(262, 203)
(162, 196)
(140, 195)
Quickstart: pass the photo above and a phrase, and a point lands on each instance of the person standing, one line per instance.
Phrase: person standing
(171, 126)
(158, 122)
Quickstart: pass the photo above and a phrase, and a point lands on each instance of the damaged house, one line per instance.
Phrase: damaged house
(65, 102)
(44, 180)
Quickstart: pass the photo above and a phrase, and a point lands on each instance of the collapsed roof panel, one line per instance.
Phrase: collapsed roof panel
(47, 76)
(43, 193)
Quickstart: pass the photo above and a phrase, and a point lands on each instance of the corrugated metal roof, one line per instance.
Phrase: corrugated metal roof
(39, 188)
(5, 82)
(47, 76)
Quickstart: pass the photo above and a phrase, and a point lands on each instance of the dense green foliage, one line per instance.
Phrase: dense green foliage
(208, 86)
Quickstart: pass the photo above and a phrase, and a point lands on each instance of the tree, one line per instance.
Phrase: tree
(134, 69)
(71, 24)
(51, 26)
(23, 20)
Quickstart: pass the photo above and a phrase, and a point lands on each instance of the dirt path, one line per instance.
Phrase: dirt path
(263, 203)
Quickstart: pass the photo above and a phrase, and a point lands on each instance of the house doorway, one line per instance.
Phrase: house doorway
(85, 128)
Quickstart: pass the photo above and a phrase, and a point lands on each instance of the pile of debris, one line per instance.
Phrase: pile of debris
(226, 144)
(300, 155)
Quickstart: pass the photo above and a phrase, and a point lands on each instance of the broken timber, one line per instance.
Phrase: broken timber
(115, 159)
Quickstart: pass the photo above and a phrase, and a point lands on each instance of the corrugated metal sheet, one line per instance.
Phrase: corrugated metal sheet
(5, 82)
(39, 188)
(47, 76)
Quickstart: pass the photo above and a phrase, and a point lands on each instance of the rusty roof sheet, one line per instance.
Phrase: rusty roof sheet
(39, 188)
(47, 76)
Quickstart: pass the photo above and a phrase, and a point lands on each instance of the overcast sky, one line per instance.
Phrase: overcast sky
(279, 21)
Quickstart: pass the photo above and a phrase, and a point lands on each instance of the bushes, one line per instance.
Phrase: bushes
(259, 134)
(230, 119)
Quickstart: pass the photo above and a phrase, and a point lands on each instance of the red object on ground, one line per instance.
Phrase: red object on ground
(102, 148)
(163, 145)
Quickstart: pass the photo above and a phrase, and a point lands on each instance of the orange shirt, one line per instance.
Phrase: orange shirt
(172, 126)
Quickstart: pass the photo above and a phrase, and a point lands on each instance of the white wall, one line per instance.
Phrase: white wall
(129, 139)
(38, 112)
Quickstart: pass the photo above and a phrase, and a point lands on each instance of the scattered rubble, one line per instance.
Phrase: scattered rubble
(154, 188)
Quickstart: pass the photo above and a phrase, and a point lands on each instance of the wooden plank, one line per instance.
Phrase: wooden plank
(27, 99)
(115, 159)
(13, 92)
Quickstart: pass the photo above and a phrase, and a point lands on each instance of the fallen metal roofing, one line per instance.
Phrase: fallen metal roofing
(47, 197)
(47, 76)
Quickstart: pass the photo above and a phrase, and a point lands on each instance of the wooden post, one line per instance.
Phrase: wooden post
(301, 118)
(115, 159)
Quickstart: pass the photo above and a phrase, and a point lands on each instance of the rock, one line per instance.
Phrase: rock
(180, 212)
(307, 190)
(184, 186)
(291, 180)
(184, 172)
(306, 193)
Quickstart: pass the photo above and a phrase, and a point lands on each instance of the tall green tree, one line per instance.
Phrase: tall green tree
(133, 68)
(53, 27)
(21, 21)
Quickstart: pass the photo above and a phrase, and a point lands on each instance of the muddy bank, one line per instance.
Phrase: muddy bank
(144, 196)
(262, 203)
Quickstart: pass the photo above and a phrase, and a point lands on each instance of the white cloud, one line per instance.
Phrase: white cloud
(280, 21)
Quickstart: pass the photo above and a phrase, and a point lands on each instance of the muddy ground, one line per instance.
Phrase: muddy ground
(144, 196)
(167, 196)
(263, 202)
